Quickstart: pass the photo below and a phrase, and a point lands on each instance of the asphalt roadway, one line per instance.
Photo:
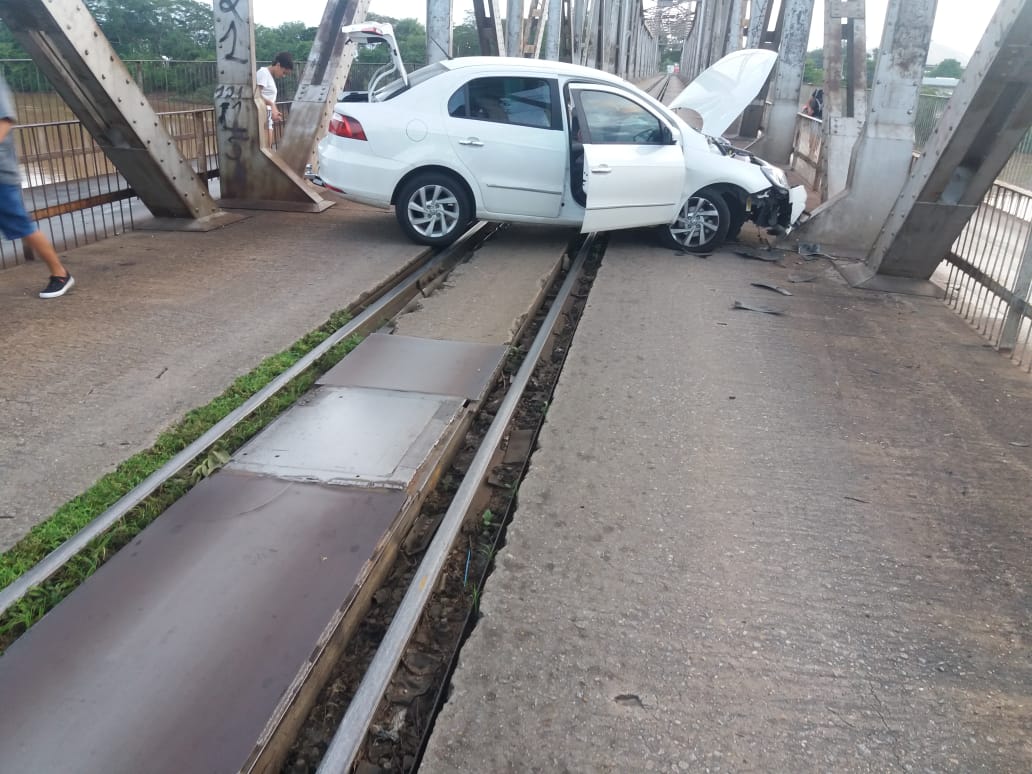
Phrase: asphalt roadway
(748, 542)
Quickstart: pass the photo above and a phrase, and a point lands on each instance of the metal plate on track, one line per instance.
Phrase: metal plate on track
(172, 657)
(352, 436)
(413, 364)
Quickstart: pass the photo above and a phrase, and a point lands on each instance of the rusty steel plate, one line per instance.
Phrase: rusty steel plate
(173, 656)
(352, 436)
(418, 365)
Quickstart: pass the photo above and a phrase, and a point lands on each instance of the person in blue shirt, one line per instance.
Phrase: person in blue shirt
(15, 222)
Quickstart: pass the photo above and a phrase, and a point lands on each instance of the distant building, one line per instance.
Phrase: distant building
(943, 86)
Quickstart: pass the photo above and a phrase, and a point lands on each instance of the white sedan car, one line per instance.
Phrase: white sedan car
(539, 141)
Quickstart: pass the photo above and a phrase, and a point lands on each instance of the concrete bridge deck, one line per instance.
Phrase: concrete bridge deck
(748, 542)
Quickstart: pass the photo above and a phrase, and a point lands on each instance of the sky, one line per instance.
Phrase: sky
(959, 24)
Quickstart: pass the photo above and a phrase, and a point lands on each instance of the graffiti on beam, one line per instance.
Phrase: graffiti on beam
(230, 8)
(229, 103)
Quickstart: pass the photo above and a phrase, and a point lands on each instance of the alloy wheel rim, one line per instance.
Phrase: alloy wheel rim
(433, 211)
(696, 223)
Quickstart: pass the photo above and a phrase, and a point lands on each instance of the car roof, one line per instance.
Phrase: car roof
(535, 66)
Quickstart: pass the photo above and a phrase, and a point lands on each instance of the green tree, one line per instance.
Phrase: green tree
(294, 37)
(947, 68)
(151, 29)
(465, 40)
(813, 66)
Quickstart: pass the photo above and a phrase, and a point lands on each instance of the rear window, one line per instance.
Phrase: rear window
(396, 87)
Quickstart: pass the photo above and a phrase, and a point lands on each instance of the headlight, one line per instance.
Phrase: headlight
(776, 176)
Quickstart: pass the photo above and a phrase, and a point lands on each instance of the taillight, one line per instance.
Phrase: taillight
(346, 126)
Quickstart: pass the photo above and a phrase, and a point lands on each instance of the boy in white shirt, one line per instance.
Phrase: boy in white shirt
(266, 82)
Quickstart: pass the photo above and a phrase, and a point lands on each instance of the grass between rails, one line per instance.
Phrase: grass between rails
(80, 511)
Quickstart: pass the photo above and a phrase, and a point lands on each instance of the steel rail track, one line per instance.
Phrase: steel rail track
(384, 303)
(352, 731)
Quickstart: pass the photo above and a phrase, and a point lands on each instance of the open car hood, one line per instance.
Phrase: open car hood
(370, 33)
(723, 91)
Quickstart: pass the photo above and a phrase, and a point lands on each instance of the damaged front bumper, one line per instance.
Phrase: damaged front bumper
(777, 209)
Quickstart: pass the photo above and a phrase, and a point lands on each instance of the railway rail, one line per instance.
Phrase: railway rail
(435, 535)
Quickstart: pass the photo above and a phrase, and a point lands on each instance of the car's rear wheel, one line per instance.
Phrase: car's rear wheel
(701, 225)
(433, 209)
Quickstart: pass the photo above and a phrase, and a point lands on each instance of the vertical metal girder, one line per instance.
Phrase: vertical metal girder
(843, 112)
(438, 30)
(880, 163)
(568, 34)
(759, 21)
(753, 115)
(555, 24)
(708, 20)
(612, 28)
(514, 28)
(252, 175)
(690, 51)
(321, 82)
(736, 18)
(1014, 316)
(534, 30)
(988, 114)
(578, 39)
(725, 23)
(66, 43)
(590, 39)
(623, 37)
(489, 31)
(787, 82)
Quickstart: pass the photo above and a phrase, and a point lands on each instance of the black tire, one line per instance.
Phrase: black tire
(738, 220)
(701, 225)
(433, 208)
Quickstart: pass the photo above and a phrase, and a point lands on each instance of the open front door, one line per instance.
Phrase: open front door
(634, 169)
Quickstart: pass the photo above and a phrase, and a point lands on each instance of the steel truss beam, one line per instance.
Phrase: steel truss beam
(321, 82)
(66, 43)
(987, 116)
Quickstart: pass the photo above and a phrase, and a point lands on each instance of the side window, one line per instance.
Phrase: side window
(457, 104)
(508, 100)
(614, 119)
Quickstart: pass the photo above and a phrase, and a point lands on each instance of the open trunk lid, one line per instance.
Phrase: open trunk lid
(386, 77)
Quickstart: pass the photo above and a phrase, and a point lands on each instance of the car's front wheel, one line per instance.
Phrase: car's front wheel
(433, 209)
(701, 224)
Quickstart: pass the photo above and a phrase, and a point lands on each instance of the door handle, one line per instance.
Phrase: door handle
(601, 169)
(472, 141)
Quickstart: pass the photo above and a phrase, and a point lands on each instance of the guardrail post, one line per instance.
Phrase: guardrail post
(1018, 307)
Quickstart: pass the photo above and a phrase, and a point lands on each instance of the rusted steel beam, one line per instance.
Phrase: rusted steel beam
(66, 43)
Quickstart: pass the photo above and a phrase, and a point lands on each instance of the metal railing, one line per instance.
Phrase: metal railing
(806, 149)
(988, 272)
(70, 187)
